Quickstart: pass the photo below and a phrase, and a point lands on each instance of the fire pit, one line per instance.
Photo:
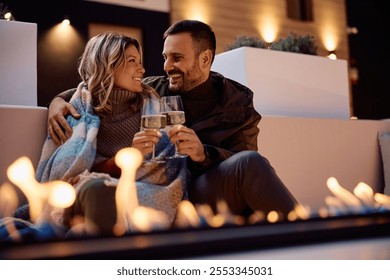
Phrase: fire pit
(198, 232)
(207, 241)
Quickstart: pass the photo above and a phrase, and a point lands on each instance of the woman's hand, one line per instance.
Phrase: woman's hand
(144, 140)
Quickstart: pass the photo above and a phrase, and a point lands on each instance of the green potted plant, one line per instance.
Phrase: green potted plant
(246, 41)
(304, 44)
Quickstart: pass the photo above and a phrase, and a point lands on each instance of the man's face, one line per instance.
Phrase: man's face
(181, 63)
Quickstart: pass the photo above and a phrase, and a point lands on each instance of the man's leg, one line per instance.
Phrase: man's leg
(244, 180)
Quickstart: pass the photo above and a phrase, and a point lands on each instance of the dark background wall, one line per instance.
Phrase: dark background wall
(59, 72)
(369, 53)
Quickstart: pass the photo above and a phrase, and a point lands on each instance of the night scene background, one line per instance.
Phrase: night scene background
(369, 51)
(368, 48)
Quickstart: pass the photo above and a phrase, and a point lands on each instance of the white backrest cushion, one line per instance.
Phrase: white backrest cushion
(23, 131)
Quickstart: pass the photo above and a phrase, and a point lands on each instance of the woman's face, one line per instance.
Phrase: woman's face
(129, 75)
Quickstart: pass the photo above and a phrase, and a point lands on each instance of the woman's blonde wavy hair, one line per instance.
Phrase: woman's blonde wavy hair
(102, 56)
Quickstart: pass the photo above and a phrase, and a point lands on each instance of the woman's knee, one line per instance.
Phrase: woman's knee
(93, 189)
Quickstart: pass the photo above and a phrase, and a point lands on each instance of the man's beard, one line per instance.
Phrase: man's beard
(175, 87)
(185, 83)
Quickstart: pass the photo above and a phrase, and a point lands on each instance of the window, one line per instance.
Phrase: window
(300, 10)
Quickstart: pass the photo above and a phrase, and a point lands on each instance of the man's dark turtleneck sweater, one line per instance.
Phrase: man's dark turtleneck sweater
(204, 96)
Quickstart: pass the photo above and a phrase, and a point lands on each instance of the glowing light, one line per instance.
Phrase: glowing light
(267, 23)
(332, 55)
(352, 30)
(365, 193)
(22, 174)
(217, 221)
(8, 16)
(126, 199)
(272, 217)
(323, 212)
(330, 40)
(65, 22)
(62, 194)
(205, 212)
(147, 219)
(61, 42)
(187, 215)
(344, 195)
(300, 212)
(8, 200)
(256, 217)
(132, 216)
(327, 28)
(268, 31)
(292, 216)
(198, 11)
(383, 199)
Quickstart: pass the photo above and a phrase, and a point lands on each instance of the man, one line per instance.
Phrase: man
(220, 134)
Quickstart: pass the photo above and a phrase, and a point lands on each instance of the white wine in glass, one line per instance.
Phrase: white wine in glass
(152, 119)
(172, 108)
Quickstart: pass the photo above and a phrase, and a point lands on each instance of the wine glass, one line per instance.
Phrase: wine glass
(172, 108)
(152, 119)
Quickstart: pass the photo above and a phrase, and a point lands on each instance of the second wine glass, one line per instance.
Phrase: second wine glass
(152, 119)
(172, 108)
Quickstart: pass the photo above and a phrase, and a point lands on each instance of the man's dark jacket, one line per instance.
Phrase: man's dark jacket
(230, 127)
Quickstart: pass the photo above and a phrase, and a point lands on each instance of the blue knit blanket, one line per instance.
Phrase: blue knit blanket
(78, 152)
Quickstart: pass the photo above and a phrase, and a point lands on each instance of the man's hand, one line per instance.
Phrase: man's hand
(188, 142)
(57, 125)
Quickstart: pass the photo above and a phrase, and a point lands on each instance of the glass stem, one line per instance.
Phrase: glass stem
(176, 150)
(153, 156)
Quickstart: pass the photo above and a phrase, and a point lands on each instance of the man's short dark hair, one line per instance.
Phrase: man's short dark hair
(202, 34)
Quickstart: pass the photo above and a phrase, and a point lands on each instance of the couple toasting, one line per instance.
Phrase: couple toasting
(219, 137)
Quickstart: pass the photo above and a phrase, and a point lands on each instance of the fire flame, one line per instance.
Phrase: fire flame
(362, 200)
(21, 173)
(126, 199)
(132, 216)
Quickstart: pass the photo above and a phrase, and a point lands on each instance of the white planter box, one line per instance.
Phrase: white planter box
(18, 63)
(289, 84)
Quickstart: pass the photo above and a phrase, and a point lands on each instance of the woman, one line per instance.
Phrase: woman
(110, 97)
